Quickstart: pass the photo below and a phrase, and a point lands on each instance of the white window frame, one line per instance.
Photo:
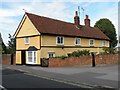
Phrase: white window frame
(57, 40)
(90, 42)
(77, 38)
(29, 56)
(104, 43)
(27, 39)
(51, 53)
(33, 58)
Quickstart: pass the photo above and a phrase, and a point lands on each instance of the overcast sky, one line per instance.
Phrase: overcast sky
(11, 12)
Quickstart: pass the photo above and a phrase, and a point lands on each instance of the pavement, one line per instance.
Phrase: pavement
(102, 76)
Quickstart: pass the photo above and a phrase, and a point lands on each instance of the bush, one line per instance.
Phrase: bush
(79, 53)
(109, 51)
(62, 57)
(118, 52)
(86, 52)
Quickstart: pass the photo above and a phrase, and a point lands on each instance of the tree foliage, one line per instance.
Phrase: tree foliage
(106, 26)
(79, 53)
(4, 48)
(12, 44)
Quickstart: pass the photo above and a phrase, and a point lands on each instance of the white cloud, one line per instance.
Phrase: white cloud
(54, 9)
(59, 0)
(9, 20)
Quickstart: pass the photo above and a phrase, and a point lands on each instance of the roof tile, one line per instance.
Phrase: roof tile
(52, 26)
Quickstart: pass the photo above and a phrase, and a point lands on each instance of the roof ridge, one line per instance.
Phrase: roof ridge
(50, 18)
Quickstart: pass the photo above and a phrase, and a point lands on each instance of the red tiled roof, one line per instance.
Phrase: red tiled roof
(52, 26)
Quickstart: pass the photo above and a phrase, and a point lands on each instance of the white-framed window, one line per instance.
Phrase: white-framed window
(32, 57)
(103, 43)
(77, 41)
(91, 42)
(51, 54)
(35, 56)
(29, 56)
(59, 40)
(27, 40)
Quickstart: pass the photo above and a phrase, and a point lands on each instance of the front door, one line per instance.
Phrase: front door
(23, 57)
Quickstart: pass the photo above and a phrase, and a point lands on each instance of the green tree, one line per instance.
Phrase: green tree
(12, 44)
(4, 48)
(106, 26)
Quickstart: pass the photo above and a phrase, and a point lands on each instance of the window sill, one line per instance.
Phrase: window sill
(26, 43)
(103, 46)
(77, 44)
(92, 46)
(60, 44)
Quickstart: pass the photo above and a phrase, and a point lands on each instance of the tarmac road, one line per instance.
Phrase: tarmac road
(17, 79)
(103, 77)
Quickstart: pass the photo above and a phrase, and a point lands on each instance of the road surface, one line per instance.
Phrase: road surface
(17, 79)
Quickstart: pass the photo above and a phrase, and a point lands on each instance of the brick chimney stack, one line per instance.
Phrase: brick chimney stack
(87, 21)
(76, 19)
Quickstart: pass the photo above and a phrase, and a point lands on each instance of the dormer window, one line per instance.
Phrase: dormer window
(27, 40)
(60, 40)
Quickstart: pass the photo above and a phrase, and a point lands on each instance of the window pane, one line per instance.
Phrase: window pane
(30, 56)
(51, 54)
(27, 40)
(77, 40)
(104, 43)
(59, 40)
(34, 57)
(91, 42)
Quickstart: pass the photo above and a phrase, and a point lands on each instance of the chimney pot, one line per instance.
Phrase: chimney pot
(76, 19)
(76, 13)
(87, 17)
(87, 21)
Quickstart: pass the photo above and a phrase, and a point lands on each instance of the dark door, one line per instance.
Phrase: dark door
(23, 57)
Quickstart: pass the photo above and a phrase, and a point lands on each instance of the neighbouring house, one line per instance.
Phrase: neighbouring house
(118, 44)
(42, 37)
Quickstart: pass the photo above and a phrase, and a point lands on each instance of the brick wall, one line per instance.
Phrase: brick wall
(84, 60)
(6, 59)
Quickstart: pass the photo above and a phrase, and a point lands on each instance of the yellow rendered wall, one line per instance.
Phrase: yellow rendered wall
(27, 29)
(84, 42)
(18, 57)
(65, 51)
(34, 41)
(48, 40)
(107, 44)
(38, 57)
